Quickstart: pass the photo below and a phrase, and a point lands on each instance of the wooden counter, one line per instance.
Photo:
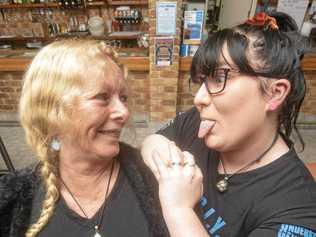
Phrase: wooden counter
(18, 60)
(17, 64)
(20, 64)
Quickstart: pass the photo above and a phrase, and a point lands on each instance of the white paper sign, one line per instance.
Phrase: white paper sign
(192, 27)
(166, 16)
(295, 8)
(164, 51)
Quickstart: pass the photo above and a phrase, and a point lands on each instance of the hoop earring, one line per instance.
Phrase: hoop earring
(55, 145)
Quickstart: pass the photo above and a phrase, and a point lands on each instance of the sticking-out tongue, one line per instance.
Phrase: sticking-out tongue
(205, 127)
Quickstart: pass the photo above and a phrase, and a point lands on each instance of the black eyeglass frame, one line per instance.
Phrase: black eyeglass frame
(206, 78)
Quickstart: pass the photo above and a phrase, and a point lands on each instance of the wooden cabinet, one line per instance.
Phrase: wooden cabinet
(17, 20)
(18, 32)
(120, 2)
(49, 5)
(29, 5)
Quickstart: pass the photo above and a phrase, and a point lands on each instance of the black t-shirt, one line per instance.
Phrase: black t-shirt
(278, 199)
(122, 216)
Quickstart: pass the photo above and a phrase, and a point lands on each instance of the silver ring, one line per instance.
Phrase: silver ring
(174, 163)
(189, 164)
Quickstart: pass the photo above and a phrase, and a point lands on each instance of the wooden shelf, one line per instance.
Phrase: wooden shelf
(19, 64)
(47, 5)
(125, 35)
(117, 3)
(95, 4)
(29, 5)
(22, 38)
(48, 39)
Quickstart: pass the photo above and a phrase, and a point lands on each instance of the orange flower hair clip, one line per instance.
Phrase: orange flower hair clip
(262, 19)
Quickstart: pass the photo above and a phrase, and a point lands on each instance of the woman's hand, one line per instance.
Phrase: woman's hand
(155, 142)
(180, 185)
(180, 180)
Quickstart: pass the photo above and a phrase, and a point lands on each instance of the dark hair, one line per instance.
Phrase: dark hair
(276, 54)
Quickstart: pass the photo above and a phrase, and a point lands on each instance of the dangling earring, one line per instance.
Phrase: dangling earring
(55, 144)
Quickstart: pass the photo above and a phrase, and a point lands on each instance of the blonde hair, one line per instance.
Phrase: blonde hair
(51, 84)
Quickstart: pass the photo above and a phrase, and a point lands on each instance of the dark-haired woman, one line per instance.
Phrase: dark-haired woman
(251, 87)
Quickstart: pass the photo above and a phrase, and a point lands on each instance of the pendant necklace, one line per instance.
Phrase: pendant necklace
(222, 185)
(99, 222)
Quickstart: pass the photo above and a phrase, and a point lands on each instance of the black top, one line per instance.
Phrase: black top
(278, 199)
(18, 189)
(122, 215)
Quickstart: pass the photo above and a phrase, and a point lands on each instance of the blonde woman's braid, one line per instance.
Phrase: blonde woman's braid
(49, 176)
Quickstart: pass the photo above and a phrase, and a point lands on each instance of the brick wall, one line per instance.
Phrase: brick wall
(184, 97)
(138, 85)
(11, 85)
(163, 86)
(10, 89)
(309, 105)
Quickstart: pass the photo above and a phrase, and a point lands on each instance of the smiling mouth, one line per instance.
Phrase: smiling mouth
(111, 132)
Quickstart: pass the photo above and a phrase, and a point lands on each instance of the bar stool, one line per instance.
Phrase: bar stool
(6, 158)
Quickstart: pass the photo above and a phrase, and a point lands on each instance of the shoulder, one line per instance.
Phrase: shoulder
(16, 185)
(16, 180)
(293, 176)
(131, 160)
(288, 194)
(144, 186)
(129, 154)
(290, 179)
(133, 166)
(124, 147)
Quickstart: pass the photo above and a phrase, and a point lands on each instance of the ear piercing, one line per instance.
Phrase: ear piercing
(55, 144)
(272, 106)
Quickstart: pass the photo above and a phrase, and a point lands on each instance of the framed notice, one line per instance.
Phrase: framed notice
(164, 51)
(295, 8)
(193, 25)
(166, 16)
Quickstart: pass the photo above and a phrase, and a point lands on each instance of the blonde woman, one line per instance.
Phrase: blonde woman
(73, 108)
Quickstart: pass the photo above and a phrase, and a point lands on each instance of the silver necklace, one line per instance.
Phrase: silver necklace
(99, 222)
(222, 185)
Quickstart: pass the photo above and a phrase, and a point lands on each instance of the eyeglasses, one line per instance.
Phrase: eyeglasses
(215, 83)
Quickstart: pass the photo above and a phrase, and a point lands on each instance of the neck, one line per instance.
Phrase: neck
(249, 151)
(85, 176)
(87, 185)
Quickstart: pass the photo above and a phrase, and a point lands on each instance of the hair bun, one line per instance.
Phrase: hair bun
(285, 22)
(288, 26)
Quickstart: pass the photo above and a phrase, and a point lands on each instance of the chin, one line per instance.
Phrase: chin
(213, 142)
(110, 150)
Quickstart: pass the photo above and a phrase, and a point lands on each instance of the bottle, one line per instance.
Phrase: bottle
(73, 3)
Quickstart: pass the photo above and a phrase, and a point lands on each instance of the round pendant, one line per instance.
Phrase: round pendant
(97, 234)
(222, 185)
